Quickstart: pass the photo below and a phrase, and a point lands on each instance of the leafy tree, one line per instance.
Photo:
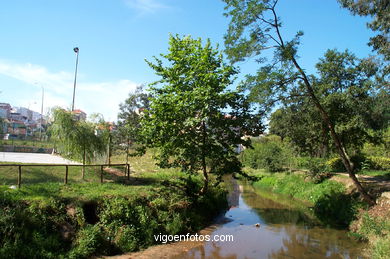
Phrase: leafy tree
(349, 93)
(299, 125)
(379, 10)
(76, 138)
(254, 28)
(194, 120)
(129, 117)
(104, 131)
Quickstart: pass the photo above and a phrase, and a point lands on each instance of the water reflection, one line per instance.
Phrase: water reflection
(286, 231)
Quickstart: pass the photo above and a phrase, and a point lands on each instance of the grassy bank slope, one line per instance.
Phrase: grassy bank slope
(333, 206)
(78, 220)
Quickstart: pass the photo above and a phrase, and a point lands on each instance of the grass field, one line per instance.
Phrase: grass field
(32, 143)
(48, 219)
(56, 174)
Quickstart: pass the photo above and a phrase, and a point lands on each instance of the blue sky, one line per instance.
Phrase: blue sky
(115, 36)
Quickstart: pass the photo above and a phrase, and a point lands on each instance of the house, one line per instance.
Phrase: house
(5, 110)
(80, 115)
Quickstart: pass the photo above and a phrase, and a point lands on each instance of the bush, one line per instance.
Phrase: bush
(379, 163)
(318, 170)
(302, 162)
(90, 241)
(360, 162)
(266, 154)
(336, 208)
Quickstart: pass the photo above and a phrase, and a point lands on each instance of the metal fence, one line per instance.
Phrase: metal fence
(7, 176)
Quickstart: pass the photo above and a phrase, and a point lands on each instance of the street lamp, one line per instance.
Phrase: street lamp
(40, 128)
(76, 49)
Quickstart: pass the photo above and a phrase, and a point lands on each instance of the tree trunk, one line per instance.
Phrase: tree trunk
(204, 167)
(83, 169)
(339, 145)
(109, 151)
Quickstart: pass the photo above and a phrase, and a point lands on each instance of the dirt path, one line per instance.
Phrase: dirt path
(376, 184)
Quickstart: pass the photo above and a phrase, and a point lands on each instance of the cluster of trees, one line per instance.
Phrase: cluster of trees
(196, 121)
(338, 95)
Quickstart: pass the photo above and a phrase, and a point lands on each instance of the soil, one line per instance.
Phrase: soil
(375, 184)
(165, 250)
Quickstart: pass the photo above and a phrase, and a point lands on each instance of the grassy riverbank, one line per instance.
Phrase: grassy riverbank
(52, 220)
(333, 206)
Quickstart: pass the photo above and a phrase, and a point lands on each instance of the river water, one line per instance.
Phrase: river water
(286, 230)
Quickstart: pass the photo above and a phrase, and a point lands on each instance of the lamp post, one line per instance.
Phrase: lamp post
(40, 128)
(76, 49)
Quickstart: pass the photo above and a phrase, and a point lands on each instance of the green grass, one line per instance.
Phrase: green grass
(376, 230)
(32, 143)
(48, 174)
(56, 174)
(49, 219)
(328, 199)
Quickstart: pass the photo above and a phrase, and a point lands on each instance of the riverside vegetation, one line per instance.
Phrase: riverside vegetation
(304, 178)
(79, 220)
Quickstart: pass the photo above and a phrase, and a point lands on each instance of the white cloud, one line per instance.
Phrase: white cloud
(146, 6)
(103, 97)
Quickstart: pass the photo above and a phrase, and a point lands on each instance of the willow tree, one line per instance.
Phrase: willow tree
(194, 120)
(76, 138)
(254, 29)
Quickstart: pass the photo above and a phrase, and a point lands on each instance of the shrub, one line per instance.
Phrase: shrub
(379, 162)
(302, 162)
(360, 162)
(318, 170)
(266, 154)
(90, 241)
(336, 208)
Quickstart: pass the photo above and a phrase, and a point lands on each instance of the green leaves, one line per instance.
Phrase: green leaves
(193, 117)
(379, 10)
(76, 138)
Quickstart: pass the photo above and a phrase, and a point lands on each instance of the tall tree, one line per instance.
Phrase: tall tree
(347, 89)
(379, 10)
(194, 120)
(76, 138)
(255, 27)
(129, 117)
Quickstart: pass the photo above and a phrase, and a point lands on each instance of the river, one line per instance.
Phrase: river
(266, 225)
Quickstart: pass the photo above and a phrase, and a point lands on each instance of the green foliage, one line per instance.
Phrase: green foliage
(299, 124)
(330, 204)
(76, 138)
(187, 120)
(336, 208)
(31, 231)
(55, 221)
(379, 11)
(379, 163)
(266, 154)
(318, 170)
(376, 230)
(129, 117)
(381, 249)
(90, 241)
(361, 162)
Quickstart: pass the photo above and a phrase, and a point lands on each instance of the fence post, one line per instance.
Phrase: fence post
(66, 175)
(101, 174)
(128, 171)
(20, 176)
